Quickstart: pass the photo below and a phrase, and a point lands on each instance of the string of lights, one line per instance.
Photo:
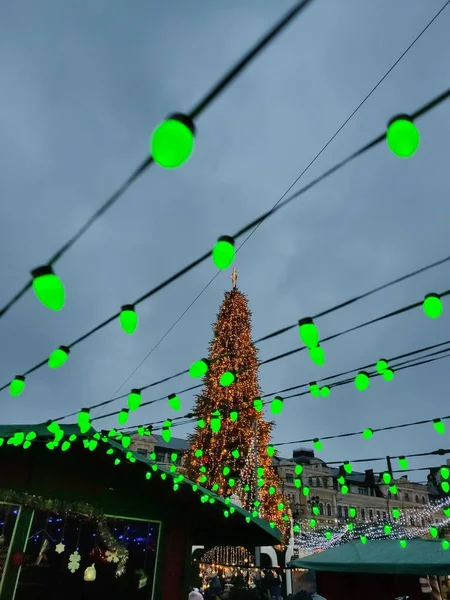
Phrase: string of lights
(196, 111)
(130, 315)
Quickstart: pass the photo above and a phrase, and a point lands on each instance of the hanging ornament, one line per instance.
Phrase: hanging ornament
(199, 368)
(48, 288)
(309, 334)
(134, 399)
(403, 137)
(59, 548)
(122, 417)
(172, 142)
(41, 556)
(174, 402)
(166, 432)
(367, 433)
(128, 318)
(325, 391)
(17, 559)
(90, 573)
(84, 420)
(362, 381)
(439, 426)
(216, 421)
(314, 389)
(223, 252)
(432, 306)
(74, 562)
(258, 404)
(58, 357)
(16, 386)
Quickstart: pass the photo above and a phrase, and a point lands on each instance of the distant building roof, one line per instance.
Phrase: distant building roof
(174, 444)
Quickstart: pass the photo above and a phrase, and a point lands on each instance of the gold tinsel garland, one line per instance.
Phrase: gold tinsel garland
(82, 510)
(113, 545)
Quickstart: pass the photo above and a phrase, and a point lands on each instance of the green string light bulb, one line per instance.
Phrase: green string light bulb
(317, 355)
(381, 366)
(432, 306)
(128, 318)
(348, 467)
(298, 469)
(48, 288)
(362, 381)
(223, 252)
(227, 378)
(387, 478)
(122, 417)
(234, 416)
(445, 472)
(270, 450)
(199, 368)
(403, 137)
(58, 357)
(309, 334)
(134, 399)
(403, 462)
(439, 426)
(277, 405)
(172, 142)
(367, 433)
(325, 391)
(314, 389)
(317, 444)
(174, 402)
(235, 453)
(258, 404)
(388, 375)
(84, 420)
(17, 385)
(166, 432)
(403, 543)
(445, 544)
(216, 421)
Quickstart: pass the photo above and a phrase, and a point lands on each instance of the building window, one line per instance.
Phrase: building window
(329, 510)
(371, 492)
(289, 478)
(423, 522)
(406, 497)
(417, 499)
(160, 457)
(317, 482)
(363, 514)
(142, 451)
(370, 514)
(340, 512)
(346, 512)
(424, 500)
(363, 491)
(378, 514)
(310, 481)
(412, 521)
(384, 516)
(325, 482)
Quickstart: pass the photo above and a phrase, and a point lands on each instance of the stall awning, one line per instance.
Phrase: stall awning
(420, 557)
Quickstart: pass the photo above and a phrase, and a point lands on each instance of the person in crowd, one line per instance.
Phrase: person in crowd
(194, 595)
(276, 586)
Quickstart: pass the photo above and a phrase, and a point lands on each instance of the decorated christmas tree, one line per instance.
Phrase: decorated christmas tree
(229, 451)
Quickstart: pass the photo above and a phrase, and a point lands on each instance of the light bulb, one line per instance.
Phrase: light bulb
(58, 357)
(172, 142)
(432, 306)
(134, 399)
(402, 136)
(48, 288)
(174, 402)
(223, 252)
(309, 333)
(17, 385)
(128, 318)
(317, 355)
(362, 381)
(199, 368)
(277, 405)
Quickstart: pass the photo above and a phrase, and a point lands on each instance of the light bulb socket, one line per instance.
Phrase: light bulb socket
(305, 321)
(432, 296)
(128, 307)
(401, 117)
(226, 238)
(184, 119)
(19, 378)
(64, 349)
(136, 391)
(41, 271)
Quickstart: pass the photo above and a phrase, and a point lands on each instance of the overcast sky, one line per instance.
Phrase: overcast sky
(84, 83)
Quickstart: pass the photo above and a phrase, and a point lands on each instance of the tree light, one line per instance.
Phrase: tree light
(199, 368)
(58, 357)
(223, 252)
(445, 472)
(388, 375)
(227, 378)
(402, 136)
(48, 288)
(172, 142)
(309, 334)
(258, 404)
(233, 416)
(174, 402)
(134, 399)
(432, 306)
(128, 318)
(16, 386)
(215, 421)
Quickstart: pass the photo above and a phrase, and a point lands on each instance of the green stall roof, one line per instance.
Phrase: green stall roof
(420, 557)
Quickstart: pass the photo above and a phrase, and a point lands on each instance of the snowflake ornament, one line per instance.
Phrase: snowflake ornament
(59, 548)
(74, 562)
(111, 556)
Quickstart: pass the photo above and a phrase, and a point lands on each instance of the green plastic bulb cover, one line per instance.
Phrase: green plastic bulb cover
(174, 402)
(227, 378)
(258, 404)
(198, 453)
(172, 142)
(235, 453)
(58, 357)
(445, 472)
(388, 375)
(134, 399)
(367, 433)
(317, 355)
(309, 334)
(396, 513)
(402, 137)
(325, 391)
(317, 444)
(233, 416)
(403, 462)
(314, 389)
(17, 385)
(298, 469)
(439, 426)
(270, 450)
(381, 366)
(276, 405)
(48, 288)
(122, 417)
(432, 306)
(199, 368)
(128, 318)
(362, 381)
(387, 478)
(445, 485)
(344, 490)
(403, 543)
(223, 252)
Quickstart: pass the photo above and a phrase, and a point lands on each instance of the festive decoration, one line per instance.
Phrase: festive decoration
(402, 136)
(172, 142)
(242, 444)
(17, 558)
(74, 561)
(59, 548)
(44, 547)
(90, 573)
(174, 402)
(432, 306)
(48, 288)
(16, 386)
(58, 357)
(113, 546)
(223, 252)
(128, 318)
(199, 368)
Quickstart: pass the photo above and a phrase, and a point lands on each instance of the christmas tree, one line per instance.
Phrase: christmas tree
(229, 450)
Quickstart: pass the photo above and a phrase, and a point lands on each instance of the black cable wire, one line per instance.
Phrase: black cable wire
(440, 452)
(426, 108)
(335, 384)
(199, 108)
